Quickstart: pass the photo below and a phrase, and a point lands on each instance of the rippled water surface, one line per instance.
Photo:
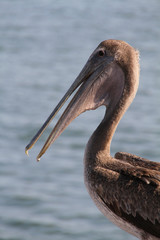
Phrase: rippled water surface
(43, 46)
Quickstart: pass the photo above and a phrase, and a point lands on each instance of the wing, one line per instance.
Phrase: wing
(130, 197)
(137, 161)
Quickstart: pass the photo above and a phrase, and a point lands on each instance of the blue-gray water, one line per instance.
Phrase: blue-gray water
(43, 46)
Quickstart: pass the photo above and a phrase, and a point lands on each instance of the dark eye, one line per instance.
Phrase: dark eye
(101, 53)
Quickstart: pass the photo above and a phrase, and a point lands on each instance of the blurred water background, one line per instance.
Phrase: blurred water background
(43, 46)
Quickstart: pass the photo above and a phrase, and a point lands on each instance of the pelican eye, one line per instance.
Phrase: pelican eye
(101, 53)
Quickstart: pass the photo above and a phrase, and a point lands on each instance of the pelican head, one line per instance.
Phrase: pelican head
(101, 82)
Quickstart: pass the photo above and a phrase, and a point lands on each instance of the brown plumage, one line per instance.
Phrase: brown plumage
(125, 188)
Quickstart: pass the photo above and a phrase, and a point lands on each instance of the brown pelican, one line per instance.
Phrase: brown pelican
(126, 188)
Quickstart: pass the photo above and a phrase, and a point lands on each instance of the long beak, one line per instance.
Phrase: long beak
(81, 102)
(81, 78)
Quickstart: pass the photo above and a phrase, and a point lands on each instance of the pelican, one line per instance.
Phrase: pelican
(125, 188)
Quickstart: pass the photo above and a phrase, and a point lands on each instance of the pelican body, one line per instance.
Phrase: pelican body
(125, 188)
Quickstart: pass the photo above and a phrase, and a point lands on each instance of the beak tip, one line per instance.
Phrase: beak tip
(38, 158)
(26, 151)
